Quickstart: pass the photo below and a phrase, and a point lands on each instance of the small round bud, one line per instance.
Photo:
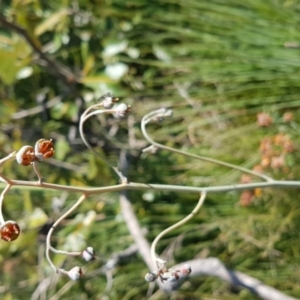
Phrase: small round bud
(44, 149)
(9, 231)
(150, 277)
(122, 109)
(108, 100)
(88, 254)
(186, 269)
(75, 273)
(25, 156)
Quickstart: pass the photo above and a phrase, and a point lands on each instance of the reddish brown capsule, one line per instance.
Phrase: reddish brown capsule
(44, 149)
(9, 231)
(25, 156)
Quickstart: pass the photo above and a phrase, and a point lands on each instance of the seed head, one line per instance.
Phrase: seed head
(25, 156)
(44, 149)
(9, 231)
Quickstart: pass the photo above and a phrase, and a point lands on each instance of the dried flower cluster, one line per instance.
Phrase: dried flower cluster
(26, 156)
(43, 149)
(169, 275)
(273, 153)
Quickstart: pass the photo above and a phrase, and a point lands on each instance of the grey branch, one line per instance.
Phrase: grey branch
(56, 68)
(214, 267)
(200, 267)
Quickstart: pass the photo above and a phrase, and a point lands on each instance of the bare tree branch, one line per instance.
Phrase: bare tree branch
(61, 71)
(35, 110)
(208, 267)
(214, 267)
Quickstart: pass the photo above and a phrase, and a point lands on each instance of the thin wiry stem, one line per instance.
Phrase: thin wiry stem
(37, 172)
(161, 113)
(32, 185)
(76, 253)
(8, 186)
(5, 159)
(8, 157)
(86, 115)
(176, 225)
(48, 239)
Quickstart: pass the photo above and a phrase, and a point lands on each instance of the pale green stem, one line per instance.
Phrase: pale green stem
(165, 113)
(8, 186)
(20, 184)
(156, 259)
(48, 239)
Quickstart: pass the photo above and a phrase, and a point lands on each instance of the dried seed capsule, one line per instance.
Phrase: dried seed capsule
(9, 231)
(88, 254)
(44, 149)
(25, 156)
(75, 273)
(122, 109)
(108, 100)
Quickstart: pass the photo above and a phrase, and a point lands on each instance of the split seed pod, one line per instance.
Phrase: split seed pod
(25, 156)
(44, 149)
(9, 231)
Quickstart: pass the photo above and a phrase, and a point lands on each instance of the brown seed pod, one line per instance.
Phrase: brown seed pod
(44, 149)
(25, 156)
(9, 231)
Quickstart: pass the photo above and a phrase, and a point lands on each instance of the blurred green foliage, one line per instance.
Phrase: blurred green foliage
(217, 64)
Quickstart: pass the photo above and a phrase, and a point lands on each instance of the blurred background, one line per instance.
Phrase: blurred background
(229, 70)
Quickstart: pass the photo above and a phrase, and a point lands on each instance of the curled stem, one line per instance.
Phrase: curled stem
(160, 113)
(156, 259)
(8, 186)
(48, 240)
(86, 115)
